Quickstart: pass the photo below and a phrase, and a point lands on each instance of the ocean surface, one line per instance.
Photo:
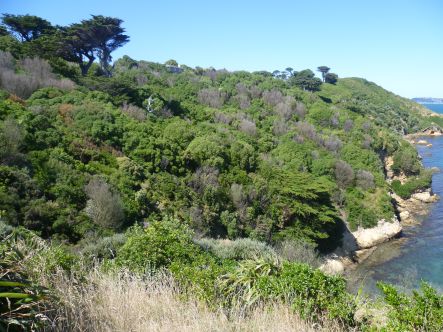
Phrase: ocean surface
(438, 108)
(418, 254)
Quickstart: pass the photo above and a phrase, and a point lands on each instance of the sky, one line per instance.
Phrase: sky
(396, 44)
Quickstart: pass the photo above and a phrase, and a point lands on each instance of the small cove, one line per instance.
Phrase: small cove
(418, 254)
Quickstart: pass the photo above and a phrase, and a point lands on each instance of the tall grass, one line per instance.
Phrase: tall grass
(124, 302)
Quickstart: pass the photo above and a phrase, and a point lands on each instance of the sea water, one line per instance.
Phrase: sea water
(418, 254)
(438, 108)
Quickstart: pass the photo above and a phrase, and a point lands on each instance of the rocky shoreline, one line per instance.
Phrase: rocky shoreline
(360, 244)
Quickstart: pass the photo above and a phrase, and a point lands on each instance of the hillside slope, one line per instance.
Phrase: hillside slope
(232, 154)
(385, 108)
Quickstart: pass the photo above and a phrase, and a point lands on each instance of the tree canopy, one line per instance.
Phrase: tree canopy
(331, 78)
(105, 35)
(26, 27)
(81, 43)
(323, 70)
(306, 80)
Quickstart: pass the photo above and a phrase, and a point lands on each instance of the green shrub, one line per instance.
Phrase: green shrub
(411, 186)
(198, 277)
(156, 246)
(406, 161)
(309, 291)
(315, 293)
(421, 311)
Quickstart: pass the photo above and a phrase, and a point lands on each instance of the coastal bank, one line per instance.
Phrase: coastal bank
(360, 244)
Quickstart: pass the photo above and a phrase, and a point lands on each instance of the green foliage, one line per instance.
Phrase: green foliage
(309, 291)
(331, 78)
(306, 80)
(406, 161)
(24, 259)
(386, 109)
(302, 205)
(160, 244)
(257, 158)
(421, 311)
(206, 151)
(199, 276)
(26, 27)
(366, 208)
(412, 185)
(263, 165)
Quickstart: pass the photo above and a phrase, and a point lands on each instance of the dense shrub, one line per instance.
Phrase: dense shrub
(134, 111)
(238, 249)
(104, 247)
(273, 97)
(309, 291)
(412, 185)
(247, 126)
(421, 311)
(365, 180)
(406, 160)
(156, 246)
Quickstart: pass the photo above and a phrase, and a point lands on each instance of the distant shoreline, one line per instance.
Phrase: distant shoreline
(427, 100)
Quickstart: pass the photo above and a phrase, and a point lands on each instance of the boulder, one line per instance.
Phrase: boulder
(425, 197)
(422, 142)
(384, 231)
(435, 169)
(361, 255)
(404, 215)
(333, 267)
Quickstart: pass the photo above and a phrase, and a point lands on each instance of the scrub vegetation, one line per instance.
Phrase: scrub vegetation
(199, 198)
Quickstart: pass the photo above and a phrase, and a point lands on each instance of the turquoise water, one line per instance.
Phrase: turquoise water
(418, 254)
(438, 108)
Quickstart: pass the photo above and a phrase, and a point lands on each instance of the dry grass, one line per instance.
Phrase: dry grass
(122, 302)
(97, 301)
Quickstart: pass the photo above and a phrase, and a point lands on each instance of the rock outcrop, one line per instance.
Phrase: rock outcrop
(384, 231)
(425, 197)
(362, 254)
(333, 266)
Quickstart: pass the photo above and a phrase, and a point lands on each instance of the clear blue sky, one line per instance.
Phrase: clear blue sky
(397, 44)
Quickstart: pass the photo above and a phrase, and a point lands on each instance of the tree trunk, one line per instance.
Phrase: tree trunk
(85, 66)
